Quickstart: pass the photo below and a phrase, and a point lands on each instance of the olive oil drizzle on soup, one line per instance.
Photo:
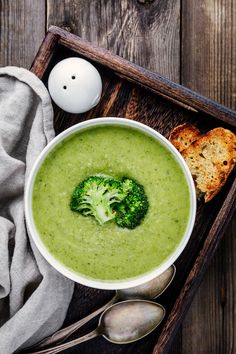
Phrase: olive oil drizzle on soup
(109, 252)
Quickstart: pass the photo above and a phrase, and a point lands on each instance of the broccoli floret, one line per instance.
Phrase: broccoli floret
(106, 198)
(133, 208)
(97, 195)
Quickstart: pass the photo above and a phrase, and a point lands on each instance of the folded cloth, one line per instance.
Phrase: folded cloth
(34, 297)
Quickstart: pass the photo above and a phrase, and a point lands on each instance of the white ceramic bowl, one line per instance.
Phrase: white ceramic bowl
(79, 278)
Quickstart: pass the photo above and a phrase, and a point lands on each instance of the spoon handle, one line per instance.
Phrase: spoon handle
(67, 345)
(61, 335)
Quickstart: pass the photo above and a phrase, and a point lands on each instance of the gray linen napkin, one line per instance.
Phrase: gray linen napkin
(34, 298)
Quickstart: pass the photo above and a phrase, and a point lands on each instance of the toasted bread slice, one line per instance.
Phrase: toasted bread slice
(183, 135)
(210, 159)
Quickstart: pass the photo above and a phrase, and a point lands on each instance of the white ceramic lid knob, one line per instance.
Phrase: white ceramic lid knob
(75, 85)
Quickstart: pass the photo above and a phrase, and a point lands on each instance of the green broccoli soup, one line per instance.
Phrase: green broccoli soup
(105, 249)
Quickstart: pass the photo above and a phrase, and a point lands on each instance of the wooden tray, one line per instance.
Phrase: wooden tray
(136, 93)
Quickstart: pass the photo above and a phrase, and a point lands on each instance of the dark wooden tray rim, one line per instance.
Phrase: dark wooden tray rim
(185, 98)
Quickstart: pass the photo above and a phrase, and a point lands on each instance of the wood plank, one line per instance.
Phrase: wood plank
(216, 296)
(22, 28)
(208, 66)
(209, 49)
(147, 34)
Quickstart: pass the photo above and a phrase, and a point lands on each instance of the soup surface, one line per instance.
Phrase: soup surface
(109, 252)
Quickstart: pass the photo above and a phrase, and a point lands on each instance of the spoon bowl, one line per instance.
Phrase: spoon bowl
(150, 290)
(130, 320)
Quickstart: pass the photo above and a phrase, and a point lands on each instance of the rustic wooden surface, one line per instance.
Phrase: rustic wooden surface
(189, 42)
(135, 101)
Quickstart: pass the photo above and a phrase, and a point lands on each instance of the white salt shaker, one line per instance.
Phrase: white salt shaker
(75, 85)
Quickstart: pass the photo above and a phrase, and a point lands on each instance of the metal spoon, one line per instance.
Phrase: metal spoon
(150, 290)
(122, 323)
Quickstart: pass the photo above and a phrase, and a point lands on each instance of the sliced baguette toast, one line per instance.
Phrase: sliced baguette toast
(184, 135)
(210, 159)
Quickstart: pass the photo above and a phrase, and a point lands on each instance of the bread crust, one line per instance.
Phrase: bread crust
(184, 135)
(210, 159)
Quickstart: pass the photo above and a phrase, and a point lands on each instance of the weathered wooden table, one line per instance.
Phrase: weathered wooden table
(190, 42)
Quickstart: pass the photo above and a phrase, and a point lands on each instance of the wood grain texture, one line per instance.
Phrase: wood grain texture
(147, 35)
(209, 66)
(210, 320)
(22, 28)
(209, 49)
(44, 55)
